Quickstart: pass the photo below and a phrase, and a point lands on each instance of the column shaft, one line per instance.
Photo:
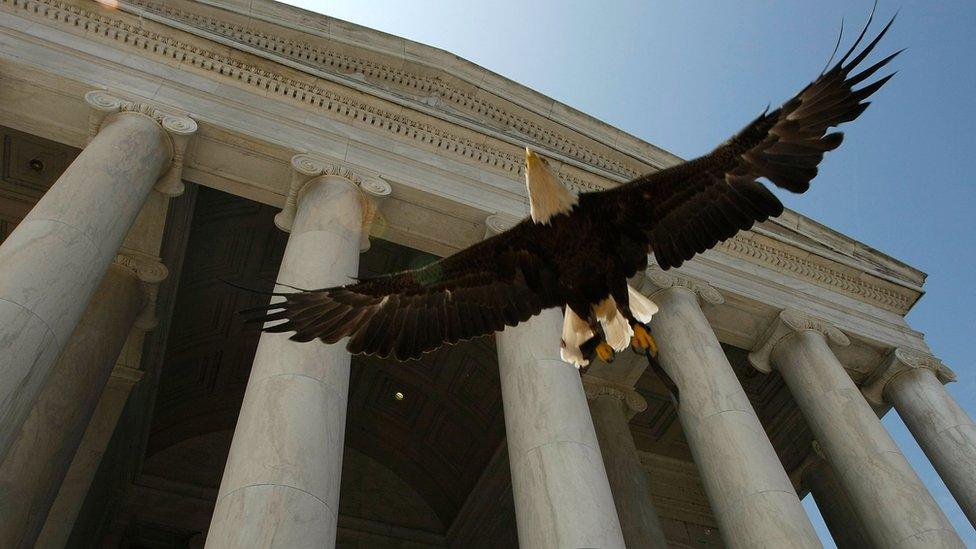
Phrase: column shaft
(895, 506)
(628, 479)
(78, 480)
(562, 496)
(51, 265)
(749, 492)
(845, 526)
(42, 452)
(942, 428)
(281, 483)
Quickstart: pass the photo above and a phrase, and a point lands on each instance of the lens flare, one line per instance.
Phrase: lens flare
(111, 4)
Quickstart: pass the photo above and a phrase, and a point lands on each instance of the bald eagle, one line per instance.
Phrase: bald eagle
(578, 250)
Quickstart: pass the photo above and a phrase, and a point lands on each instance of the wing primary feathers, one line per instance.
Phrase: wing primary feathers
(840, 36)
(688, 208)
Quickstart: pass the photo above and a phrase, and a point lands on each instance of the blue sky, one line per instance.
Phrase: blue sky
(686, 75)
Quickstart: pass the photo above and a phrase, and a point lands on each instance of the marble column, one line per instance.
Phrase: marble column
(897, 509)
(835, 507)
(281, 482)
(913, 383)
(751, 496)
(39, 457)
(78, 480)
(611, 408)
(559, 484)
(52, 263)
(562, 495)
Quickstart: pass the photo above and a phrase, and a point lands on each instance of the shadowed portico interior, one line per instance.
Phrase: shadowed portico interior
(411, 466)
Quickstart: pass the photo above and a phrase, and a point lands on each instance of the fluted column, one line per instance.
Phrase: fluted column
(40, 455)
(52, 263)
(896, 508)
(281, 482)
(750, 494)
(913, 383)
(611, 408)
(562, 496)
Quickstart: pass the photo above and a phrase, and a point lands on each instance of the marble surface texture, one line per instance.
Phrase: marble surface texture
(896, 508)
(562, 495)
(639, 522)
(752, 498)
(281, 483)
(39, 458)
(943, 430)
(51, 265)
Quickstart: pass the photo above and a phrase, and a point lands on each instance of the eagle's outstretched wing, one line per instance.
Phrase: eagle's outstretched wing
(498, 282)
(687, 209)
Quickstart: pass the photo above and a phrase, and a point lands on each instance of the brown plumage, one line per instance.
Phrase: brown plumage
(585, 254)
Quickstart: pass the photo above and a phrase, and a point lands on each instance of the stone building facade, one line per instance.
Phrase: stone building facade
(153, 151)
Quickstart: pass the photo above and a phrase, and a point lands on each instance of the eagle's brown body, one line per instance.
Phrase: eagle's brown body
(580, 251)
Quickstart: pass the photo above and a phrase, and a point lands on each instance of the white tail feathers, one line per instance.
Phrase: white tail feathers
(616, 329)
(575, 333)
(641, 307)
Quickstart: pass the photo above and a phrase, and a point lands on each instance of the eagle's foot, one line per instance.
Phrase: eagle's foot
(605, 352)
(643, 340)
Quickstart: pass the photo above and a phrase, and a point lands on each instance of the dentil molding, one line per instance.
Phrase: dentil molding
(428, 90)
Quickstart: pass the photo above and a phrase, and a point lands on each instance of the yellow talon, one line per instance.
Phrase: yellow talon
(605, 352)
(643, 340)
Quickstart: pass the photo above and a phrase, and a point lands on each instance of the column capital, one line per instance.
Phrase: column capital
(127, 374)
(178, 128)
(657, 280)
(899, 361)
(787, 323)
(595, 387)
(499, 223)
(306, 169)
(150, 272)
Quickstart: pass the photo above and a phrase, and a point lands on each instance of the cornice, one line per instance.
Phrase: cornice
(426, 90)
(338, 105)
(819, 271)
(317, 48)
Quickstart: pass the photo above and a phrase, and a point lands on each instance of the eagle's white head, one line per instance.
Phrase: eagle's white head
(547, 196)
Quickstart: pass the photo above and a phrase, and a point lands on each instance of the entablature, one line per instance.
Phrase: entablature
(256, 106)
